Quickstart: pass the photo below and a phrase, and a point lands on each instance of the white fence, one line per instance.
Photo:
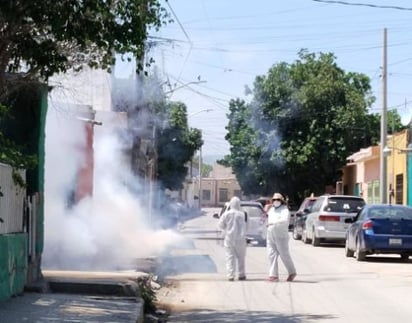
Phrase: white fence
(12, 201)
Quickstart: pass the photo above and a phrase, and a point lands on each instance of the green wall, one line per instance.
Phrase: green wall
(13, 264)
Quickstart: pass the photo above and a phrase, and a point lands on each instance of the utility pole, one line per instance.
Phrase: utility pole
(200, 178)
(384, 127)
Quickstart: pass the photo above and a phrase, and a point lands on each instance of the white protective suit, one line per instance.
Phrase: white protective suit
(278, 241)
(233, 223)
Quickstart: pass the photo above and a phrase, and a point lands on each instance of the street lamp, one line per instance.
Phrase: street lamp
(183, 85)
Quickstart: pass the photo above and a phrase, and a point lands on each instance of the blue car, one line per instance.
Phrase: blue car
(380, 229)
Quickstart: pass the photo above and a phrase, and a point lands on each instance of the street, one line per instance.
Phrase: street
(328, 288)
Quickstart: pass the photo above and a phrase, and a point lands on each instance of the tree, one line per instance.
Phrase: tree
(41, 38)
(304, 120)
(176, 144)
(394, 122)
(205, 168)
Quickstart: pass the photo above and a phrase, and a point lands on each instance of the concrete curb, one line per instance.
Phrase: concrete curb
(122, 285)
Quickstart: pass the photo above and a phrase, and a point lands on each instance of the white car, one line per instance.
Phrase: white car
(255, 217)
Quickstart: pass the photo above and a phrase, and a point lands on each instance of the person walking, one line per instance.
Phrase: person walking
(277, 242)
(233, 223)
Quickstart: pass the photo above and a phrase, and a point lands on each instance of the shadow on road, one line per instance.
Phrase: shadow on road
(202, 315)
(387, 260)
(175, 265)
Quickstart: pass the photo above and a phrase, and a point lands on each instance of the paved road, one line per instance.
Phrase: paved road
(329, 287)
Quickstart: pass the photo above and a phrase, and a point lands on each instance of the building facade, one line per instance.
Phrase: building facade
(361, 175)
(219, 187)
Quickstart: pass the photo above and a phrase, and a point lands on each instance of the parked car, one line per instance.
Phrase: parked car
(326, 220)
(380, 229)
(264, 200)
(300, 216)
(256, 220)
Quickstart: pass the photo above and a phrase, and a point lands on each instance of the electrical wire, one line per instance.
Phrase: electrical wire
(363, 5)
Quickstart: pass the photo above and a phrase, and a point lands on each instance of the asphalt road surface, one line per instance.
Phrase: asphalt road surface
(329, 287)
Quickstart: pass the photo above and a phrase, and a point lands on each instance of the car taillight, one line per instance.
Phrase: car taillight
(330, 218)
(367, 225)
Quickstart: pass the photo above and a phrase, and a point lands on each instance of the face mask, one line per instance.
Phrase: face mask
(277, 203)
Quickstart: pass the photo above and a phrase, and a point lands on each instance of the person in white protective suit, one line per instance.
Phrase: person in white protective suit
(233, 223)
(277, 243)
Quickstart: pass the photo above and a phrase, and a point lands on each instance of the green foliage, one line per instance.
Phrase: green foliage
(205, 168)
(10, 153)
(394, 122)
(42, 38)
(147, 293)
(176, 145)
(304, 120)
(48, 37)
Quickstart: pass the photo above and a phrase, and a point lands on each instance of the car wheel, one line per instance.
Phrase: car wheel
(315, 239)
(404, 256)
(295, 234)
(348, 252)
(305, 239)
(359, 255)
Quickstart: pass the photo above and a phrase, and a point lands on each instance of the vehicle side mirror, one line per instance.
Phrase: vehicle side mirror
(216, 216)
(306, 211)
(349, 220)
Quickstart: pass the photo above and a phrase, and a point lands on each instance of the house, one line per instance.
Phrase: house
(22, 203)
(219, 187)
(361, 175)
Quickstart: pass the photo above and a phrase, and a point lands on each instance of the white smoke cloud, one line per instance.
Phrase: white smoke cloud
(109, 229)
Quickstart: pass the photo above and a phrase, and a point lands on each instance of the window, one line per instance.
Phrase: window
(252, 211)
(344, 205)
(316, 207)
(399, 189)
(206, 195)
(223, 195)
(377, 194)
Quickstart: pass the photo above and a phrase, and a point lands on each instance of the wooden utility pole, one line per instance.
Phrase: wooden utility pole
(384, 127)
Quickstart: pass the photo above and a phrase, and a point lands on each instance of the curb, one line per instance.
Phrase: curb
(121, 286)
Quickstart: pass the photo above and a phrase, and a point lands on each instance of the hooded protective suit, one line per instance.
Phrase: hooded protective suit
(233, 223)
(278, 240)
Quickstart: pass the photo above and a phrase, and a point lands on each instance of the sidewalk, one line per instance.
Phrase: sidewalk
(78, 296)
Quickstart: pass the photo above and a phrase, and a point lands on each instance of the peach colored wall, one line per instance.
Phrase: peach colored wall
(372, 170)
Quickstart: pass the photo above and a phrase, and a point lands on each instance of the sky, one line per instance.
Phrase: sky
(215, 48)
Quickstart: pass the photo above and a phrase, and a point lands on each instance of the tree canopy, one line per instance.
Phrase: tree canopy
(41, 38)
(176, 145)
(305, 118)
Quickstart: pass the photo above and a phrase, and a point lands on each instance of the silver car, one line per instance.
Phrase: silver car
(326, 220)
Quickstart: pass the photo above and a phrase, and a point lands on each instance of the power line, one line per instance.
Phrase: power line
(363, 5)
(187, 37)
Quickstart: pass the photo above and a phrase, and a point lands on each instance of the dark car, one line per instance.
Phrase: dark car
(300, 217)
(380, 229)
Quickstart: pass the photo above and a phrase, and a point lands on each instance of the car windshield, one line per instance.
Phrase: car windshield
(390, 212)
(252, 211)
(344, 205)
